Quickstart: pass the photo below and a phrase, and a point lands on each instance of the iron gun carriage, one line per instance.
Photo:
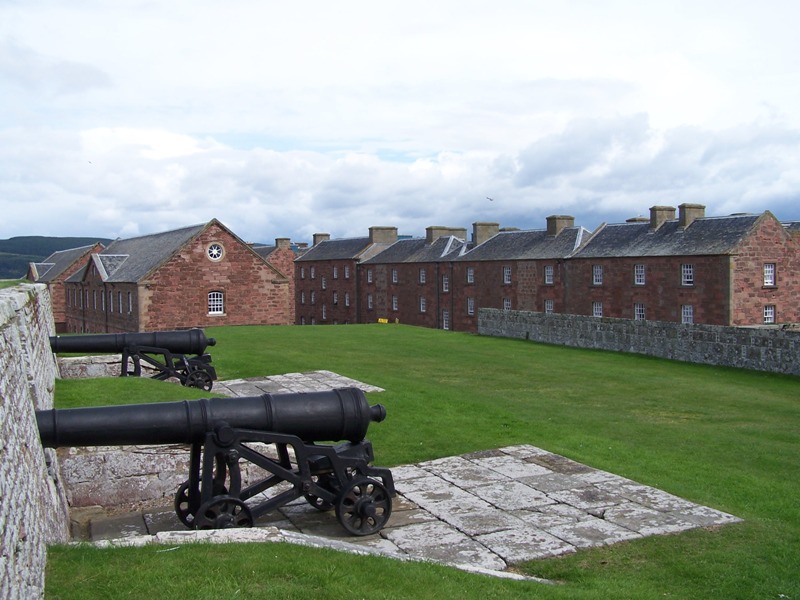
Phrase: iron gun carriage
(280, 433)
(164, 351)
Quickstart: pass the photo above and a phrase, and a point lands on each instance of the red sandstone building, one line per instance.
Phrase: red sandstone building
(327, 279)
(199, 276)
(735, 270)
(54, 271)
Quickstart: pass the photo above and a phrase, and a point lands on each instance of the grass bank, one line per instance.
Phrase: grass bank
(720, 437)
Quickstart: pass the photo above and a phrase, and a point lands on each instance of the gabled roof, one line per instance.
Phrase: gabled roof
(417, 250)
(704, 236)
(58, 262)
(128, 261)
(348, 248)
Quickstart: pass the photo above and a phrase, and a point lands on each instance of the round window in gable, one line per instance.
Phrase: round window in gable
(215, 251)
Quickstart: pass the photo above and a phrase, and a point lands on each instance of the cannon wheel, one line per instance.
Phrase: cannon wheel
(364, 506)
(199, 379)
(223, 512)
(327, 482)
(183, 506)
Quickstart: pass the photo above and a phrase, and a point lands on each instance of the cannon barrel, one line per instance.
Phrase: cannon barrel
(190, 341)
(341, 414)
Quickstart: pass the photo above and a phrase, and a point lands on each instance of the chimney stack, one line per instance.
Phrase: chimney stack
(321, 237)
(659, 215)
(283, 242)
(689, 212)
(483, 231)
(557, 223)
(434, 232)
(382, 235)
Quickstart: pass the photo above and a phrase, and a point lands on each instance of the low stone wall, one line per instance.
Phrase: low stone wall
(774, 350)
(33, 509)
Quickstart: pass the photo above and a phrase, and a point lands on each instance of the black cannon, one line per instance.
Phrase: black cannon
(165, 351)
(280, 433)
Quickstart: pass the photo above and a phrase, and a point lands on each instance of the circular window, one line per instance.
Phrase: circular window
(215, 251)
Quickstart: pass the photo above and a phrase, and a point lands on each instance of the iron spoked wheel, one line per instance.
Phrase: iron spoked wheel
(183, 506)
(199, 379)
(223, 512)
(183, 503)
(327, 482)
(364, 506)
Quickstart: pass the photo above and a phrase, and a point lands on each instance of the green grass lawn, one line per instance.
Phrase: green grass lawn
(724, 438)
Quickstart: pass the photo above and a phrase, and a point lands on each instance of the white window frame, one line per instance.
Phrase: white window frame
(470, 274)
(639, 312)
(394, 303)
(335, 272)
(347, 299)
(302, 297)
(687, 314)
(313, 297)
(770, 269)
(770, 314)
(639, 276)
(312, 271)
(687, 274)
(597, 274)
(597, 309)
(216, 302)
(395, 278)
(370, 303)
(549, 307)
(324, 283)
(369, 275)
(422, 276)
(423, 304)
(506, 303)
(347, 271)
(549, 274)
(130, 302)
(445, 283)
(324, 312)
(446, 319)
(335, 298)
(119, 302)
(506, 275)
(470, 305)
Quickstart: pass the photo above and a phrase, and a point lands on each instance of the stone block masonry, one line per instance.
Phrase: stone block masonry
(33, 509)
(773, 350)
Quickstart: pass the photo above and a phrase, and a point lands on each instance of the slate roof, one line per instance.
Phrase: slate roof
(792, 227)
(343, 249)
(129, 260)
(704, 236)
(55, 264)
(417, 250)
(527, 245)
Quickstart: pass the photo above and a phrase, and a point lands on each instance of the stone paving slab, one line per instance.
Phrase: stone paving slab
(481, 512)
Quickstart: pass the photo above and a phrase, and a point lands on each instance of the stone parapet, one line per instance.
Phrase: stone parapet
(769, 349)
(33, 508)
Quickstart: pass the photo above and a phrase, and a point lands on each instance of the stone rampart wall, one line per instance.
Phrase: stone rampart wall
(33, 509)
(774, 350)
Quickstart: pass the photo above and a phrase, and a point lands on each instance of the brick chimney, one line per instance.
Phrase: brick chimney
(283, 243)
(382, 235)
(689, 212)
(557, 223)
(321, 237)
(659, 215)
(483, 231)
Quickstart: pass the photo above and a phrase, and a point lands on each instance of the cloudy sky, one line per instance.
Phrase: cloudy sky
(281, 119)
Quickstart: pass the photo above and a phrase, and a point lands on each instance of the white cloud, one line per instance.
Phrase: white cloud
(287, 119)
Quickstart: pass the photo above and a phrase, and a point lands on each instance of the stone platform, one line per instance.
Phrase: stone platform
(482, 511)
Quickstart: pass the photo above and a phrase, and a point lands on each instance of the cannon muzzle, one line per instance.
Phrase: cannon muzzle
(190, 341)
(334, 415)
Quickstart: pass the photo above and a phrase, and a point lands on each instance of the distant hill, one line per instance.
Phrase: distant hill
(17, 252)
